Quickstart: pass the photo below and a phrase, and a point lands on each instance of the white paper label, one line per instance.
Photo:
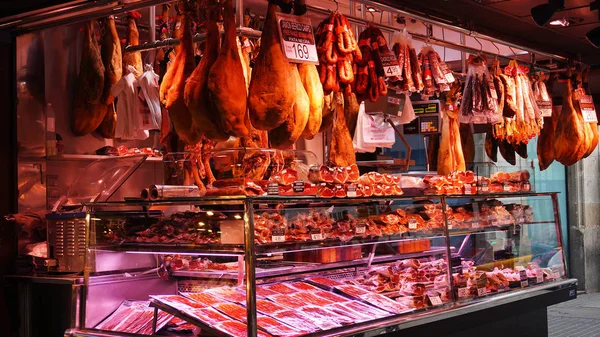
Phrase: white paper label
(389, 61)
(539, 276)
(545, 108)
(361, 229)
(555, 273)
(484, 187)
(506, 188)
(481, 292)
(463, 292)
(468, 189)
(435, 300)
(297, 38)
(412, 223)
(523, 277)
(351, 191)
(394, 100)
(449, 226)
(316, 236)
(278, 238)
(586, 103)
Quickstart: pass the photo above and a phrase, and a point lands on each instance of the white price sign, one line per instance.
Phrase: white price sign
(389, 61)
(316, 236)
(481, 292)
(539, 275)
(463, 292)
(297, 38)
(435, 300)
(361, 229)
(412, 223)
(278, 238)
(545, 108)
(588, 109)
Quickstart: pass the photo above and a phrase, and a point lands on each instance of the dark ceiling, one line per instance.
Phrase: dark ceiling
(510, 20)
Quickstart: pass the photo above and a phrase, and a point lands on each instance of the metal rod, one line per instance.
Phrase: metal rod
(557, 220)
(448, 252)
(451, 26)
(169, 42)
(250, 265)
(152, 20)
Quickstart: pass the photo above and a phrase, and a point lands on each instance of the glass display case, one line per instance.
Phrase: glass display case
(290, 266)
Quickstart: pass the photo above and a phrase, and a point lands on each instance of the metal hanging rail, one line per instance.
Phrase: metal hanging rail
(170, 42)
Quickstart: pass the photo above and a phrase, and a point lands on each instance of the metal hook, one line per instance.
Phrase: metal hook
(496, 47)
(480, 45)
(372, 15)
(337, 5)
(513, 51)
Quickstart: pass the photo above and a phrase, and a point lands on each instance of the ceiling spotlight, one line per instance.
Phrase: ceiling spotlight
(593, 36)
(543, 13)
(565, 22)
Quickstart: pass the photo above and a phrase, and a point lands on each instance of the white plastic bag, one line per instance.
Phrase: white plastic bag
(372, 131)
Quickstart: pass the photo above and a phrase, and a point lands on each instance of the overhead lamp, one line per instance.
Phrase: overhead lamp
(565, 21)
(543, 13)
(593, 36)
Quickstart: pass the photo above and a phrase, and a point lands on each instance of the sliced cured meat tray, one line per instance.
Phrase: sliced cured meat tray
(303, 286)
(324, 282)
(276, 328)
(281, 288)
(288, 301)
(328, 295)
(134, 322)
(203, 298)
(385, 303)
(267, 307)
(232, 310)
(322, 318)
(237, 329)
(366, 309)
(130, 316)
(351, 290)
(342, 309)
(209, 316)
(309, 298)
(297, 320)
(228, 294)
(161, 321)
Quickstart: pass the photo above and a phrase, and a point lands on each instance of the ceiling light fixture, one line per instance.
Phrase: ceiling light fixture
(543, 13)
(565, 21)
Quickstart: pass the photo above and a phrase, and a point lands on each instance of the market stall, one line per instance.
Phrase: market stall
(217, 168)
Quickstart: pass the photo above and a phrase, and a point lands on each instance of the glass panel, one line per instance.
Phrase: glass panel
(502, 244)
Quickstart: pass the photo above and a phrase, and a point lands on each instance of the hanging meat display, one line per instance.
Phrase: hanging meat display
(436, 75)
(338, 52)
(88, 109)
(570, 140)
(133, 59)
(591, 125)
(370, 81)
(450, 155)
(411, 78)
(545, 143)
(479, 99)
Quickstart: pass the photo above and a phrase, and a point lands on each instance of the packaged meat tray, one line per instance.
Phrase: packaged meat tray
(322, 318)
(385, 303)
(324, 282)
(177, 302)
(237, 329)
(162, 320)
(264, 292)
(288, 301)
(134, 322)
(203, 298)
(112, 321)
(208, 315)
(281, 288)
(267, 307)
(228, 294)
(232, 310)
(351, 290)
(368, 310)
(342, 310)
(330, 296)
(309, 298)
(297, 320)
(276, 328)
(303, 286)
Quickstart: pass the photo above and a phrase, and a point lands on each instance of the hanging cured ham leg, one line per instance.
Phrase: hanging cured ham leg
(182, 68)
(273, 89)
(450, 156)
(570, 139)
(133, 59)
(201, 107)
(341, 150)
(88, 111)
(310, 80)
(113, 63)
(226, 82)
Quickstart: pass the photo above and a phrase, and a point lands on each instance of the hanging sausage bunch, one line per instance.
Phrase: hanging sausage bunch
(436, 75)
(411, 79)
(370, 82)
(338, 54)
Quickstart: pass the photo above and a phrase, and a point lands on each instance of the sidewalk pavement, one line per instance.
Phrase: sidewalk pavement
(576, 318)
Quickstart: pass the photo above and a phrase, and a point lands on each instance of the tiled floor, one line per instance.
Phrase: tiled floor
(577, 318)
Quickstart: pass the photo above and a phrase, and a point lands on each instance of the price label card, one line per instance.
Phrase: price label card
(391, 68)
(493, 221)
(361, 229)
(463, 292)
(586, 103)
(506, 188)
(468, 188)
(481, 292)
(298, 186)
(297, 38)
(475, 224)
(412, 223)
(526, 187)
(484, 187)
(449, 226)
(351, 191)
(394, 100)
(273, 189)
(435, 300)
(555, 273)
(545, 108)
(523, 276)
(278, 235)
(316, 234)
(539, 275)
(447, 72)
(481, 285)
